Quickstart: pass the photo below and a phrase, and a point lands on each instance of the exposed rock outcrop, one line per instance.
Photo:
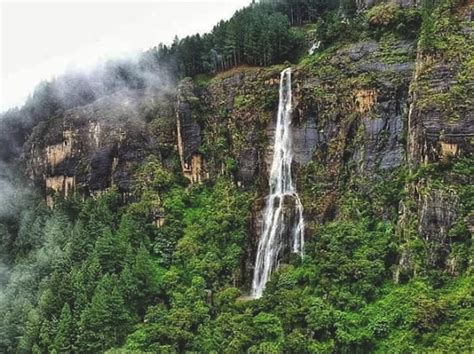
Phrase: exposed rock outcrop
(440, 128)
(437, 213)
(92, 147)
(189, 133)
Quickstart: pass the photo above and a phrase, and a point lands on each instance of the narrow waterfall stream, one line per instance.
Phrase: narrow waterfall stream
(283, 223)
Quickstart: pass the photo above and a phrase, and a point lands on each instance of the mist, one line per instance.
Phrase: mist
(42, 40)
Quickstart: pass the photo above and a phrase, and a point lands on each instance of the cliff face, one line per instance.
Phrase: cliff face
(90, 148)
(358, 95)
(440, 131)
(369, 116)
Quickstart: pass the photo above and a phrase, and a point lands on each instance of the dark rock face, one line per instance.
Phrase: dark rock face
(189, 133)
(189, 129)
(440, 128)
(255, 229)
(383, 137)
(305, 140)
(433, 135)
(93, 146)
(238, 106)
(437, 213)
(101, 168)
(247, 161)
(441, 121)
(359, 101)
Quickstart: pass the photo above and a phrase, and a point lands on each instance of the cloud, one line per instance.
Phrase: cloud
(44, 39)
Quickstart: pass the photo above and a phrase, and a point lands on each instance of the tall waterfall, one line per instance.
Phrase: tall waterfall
(283, 223)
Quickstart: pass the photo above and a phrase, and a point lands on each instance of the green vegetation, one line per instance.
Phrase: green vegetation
(445, 38)
(99, 267)
(391, 17)
(256, 35)
(166, 267)
(100, 275)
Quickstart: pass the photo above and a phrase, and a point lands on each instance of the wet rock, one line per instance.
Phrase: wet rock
(238, 106)
(438, 130)
(189, 133)
(437, 212)
(305, 140)
(361, 49)
(255, 230)
(101, 166)
(247, 161)
(435, 128)
(96, 145)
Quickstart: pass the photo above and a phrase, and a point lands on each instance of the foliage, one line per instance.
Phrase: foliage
(257, 35)
(164, 269)
(336, 27)
(391, 17)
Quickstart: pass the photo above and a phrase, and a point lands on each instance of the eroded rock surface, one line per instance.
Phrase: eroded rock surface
(92, 147)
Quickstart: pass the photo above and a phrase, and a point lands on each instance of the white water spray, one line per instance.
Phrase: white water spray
(282, 197)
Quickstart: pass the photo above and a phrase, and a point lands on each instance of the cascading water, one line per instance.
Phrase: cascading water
(282, 197)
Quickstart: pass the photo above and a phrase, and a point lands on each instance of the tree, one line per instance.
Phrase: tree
(30, 337)
(64, 339)
(111, 251)
(105, 321)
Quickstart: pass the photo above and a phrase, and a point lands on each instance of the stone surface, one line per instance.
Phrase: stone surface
(92, 146)
(439, 129)
(189, 133)
(437, 212)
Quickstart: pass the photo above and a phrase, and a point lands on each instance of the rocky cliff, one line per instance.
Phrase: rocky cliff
(90, 148)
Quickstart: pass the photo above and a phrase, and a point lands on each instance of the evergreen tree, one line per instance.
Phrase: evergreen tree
(105, 321)
(64, 339)
(111, 251)
(30, 336)
(46, 336)
(146, 277)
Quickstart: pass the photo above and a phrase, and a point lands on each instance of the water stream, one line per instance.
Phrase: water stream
(283, 222)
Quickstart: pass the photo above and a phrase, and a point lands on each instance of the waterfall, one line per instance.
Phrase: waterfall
(283, 223)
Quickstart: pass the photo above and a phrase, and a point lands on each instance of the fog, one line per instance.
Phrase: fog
(7, 190)
(40, 40)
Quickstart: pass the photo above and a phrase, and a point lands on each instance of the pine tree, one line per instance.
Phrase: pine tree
(111, 251)
(140, 281)
(79, 245)
(30, 336)
(46, 333)
(105, 321)
(64, 339)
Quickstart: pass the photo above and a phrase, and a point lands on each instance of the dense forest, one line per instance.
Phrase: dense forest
(99, 272)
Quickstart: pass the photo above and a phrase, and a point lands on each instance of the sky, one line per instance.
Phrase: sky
(40, 40)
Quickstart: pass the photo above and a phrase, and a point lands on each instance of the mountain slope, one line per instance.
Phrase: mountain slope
(156, 197)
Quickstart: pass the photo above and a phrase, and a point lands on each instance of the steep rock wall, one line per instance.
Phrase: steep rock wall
(92, 147)
(440, 132)
(189, 133)
(358, 94)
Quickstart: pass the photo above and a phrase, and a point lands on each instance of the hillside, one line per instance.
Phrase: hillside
(135, 202)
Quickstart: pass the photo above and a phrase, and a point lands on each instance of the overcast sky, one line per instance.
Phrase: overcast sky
(42, 39)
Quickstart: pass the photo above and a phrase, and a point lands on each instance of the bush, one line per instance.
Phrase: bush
(392, 18)
(383, 15)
